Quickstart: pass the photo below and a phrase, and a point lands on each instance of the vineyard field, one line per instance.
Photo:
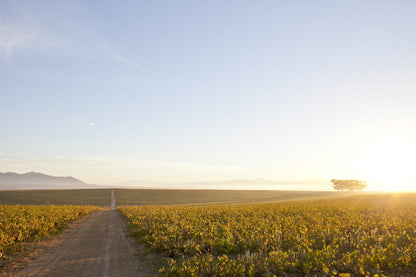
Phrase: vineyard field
(21, 224)
(95, 197)
(102, 197)
(363, 235)
(197, 197)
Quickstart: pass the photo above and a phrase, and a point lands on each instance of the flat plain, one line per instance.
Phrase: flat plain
(96, 197)
(102, 197)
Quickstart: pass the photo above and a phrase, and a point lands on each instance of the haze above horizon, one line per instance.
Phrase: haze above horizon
(192, 91)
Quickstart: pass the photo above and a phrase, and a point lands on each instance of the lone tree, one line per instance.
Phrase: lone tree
(348, 184)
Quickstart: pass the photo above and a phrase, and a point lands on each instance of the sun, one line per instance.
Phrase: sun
(389, 165)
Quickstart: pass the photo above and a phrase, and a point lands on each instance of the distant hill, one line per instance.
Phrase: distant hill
(35, 180)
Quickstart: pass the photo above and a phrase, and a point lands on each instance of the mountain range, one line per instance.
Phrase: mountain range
(35, 180)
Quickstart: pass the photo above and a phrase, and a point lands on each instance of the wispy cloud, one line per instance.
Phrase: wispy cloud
(30, 28)
(16, 39)
(120, 58)
(25, 28)
(11, 40)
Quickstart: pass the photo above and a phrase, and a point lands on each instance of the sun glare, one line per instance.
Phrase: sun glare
(388, 166)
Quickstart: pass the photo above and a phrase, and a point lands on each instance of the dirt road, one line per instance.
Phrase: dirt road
(95, 246)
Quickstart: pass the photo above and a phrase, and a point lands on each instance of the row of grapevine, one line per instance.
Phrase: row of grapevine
(19, 224)
(358, 236)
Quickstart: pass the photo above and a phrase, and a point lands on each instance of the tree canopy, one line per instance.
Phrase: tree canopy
(348, 184)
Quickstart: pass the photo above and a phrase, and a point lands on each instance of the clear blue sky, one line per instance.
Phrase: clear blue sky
(181, 91)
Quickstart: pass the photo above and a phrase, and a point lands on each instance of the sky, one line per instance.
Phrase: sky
(191, 91)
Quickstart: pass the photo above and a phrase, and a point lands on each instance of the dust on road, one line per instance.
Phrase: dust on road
(95, 246)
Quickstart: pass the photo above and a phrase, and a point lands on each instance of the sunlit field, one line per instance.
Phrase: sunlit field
(22, 224)
(365, 235)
